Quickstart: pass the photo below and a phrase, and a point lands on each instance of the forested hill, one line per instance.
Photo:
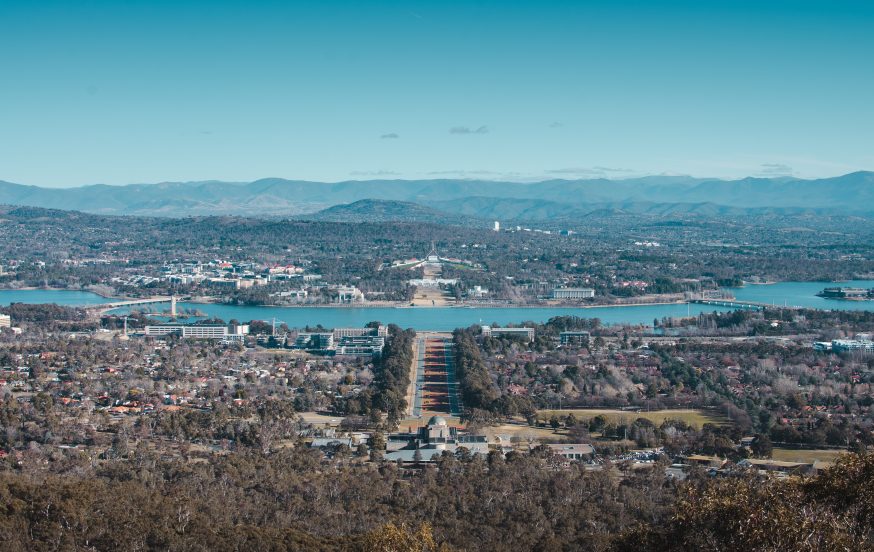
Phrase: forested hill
(374, 210)
(850, 193)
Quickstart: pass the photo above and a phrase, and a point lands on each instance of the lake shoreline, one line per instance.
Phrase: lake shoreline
(423, 307)
(208, 300)
(450, 317)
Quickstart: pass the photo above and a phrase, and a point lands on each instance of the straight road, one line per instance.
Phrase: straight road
(435, 389)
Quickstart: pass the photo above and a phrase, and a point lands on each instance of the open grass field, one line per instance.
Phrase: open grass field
(321, 420)
(693, 417)
(523, 432)
(801, 455)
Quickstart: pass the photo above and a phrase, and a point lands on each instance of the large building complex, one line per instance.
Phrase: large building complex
(316, 341)
(527, 333)
(5, 321)
(356, 332)
(235, 332)
(344, 341)
(846, 293)
(362, 345)
(573, 293)
(846, 345)
(861, 344)
(429, 442)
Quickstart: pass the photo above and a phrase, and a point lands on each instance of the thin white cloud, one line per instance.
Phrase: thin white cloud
(374, 173)
(467, 130)
(462, 172)
(775, 169)
(588, 171)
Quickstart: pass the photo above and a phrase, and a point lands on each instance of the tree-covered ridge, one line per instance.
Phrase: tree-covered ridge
(832, 511)
(615, 255)
(291, 501)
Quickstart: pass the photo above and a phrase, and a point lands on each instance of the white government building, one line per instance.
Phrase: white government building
(573, 293)
(234, 332)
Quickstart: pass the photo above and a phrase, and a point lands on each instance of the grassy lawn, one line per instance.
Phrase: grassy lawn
(693, 417)
(524, 433)
(801, 455)
(321, 419)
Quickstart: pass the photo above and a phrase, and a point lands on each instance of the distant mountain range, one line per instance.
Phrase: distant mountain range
(458, 200)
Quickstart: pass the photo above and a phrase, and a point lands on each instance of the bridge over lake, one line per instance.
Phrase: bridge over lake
(129, 303)
(734, 304)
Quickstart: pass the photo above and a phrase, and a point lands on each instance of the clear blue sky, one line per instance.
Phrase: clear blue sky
(128, 91)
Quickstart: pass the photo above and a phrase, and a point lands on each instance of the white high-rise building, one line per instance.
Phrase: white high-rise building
(497, 226)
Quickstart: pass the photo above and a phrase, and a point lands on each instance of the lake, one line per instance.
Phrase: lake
(57, 296)
(441, 318)
(802, 294)
(447, 318)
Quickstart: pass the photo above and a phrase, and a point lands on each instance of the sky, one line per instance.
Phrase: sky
(131, 92)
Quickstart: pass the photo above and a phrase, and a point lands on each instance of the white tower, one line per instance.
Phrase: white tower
(497, 226)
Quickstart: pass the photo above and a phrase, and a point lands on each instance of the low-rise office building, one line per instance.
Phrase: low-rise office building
(223, 283)
(573, 293)
(320, 341)
(361, 345)
(846, 293)
(575, 338)
(527, 333)
(577, 451)
(344, 341)
(234, 332)
(355, 332)
(770, 465)
(847, 345)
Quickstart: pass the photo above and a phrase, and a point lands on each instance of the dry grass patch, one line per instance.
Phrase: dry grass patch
(693, 417)
(801, 455)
